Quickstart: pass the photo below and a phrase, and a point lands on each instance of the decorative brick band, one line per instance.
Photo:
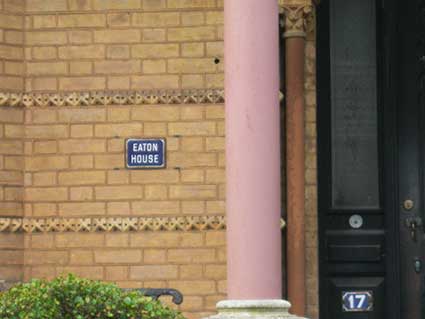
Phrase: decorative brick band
(201, 96)
(114, 224)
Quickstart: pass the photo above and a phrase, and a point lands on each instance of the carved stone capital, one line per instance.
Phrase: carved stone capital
(297, 19)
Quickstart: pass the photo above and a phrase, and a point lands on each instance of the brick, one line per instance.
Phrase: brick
(81, 20)
(215, 271)
(46, 131)
(118, 114)
(46, 38)
(117, 67)
(116, 273)
(14, 37)
(118, 82)
(79, 5)
(82, 178)
(194, 287)
(121, 256)
(14, 163)
(81, 115)
(44, 179)
(192, 303)
(191, 272)
(193, 49)
(192, 128)
(215, 176)
(117, 36)
(158, 239)
(200, 33)
(14, 194)
(69, 240)
(11, 52)
(13, 83)
(118, 130)
(118, 208)
(80, 68)
(215, 238)
(118, 51)
(154, 4)
(47, 68)
(188, 160)
(44, 21)
(44, 53)
(46, 257)
(110, 161)
(11, 147)
(117, 240)
(8, 21)
(155, 129)
(82, 161)
(154, 272)
(82, 52)
(154, 66)
(193, 207)
(192, 81)
(118, 192)
(14, 131)
(116, 145)
(56, 194)
(155, 113)
(214, 80)
(153, 35)
(144, 51)
(118, 177)
(116, 4)
(11, 241)
(191, 113)
(43, 6)
(82, 209)
(81, 193)
(157, 19)
(152, 82)
(192, 65)
(42, 241)
(11, 115)
(81, 257)
(155, 207)
(192, 176)
(82, 146)
(80, 37)
(89, 272)
(81, 131)
(156, 192)
(154, 177)
(82, 83)
(10, 178)
(44, 209)
(214, 112)
(44, 84)
(215, 143)
(154, 256)
(121, 19)
(193, 191)
(191, 256)
(216, 207)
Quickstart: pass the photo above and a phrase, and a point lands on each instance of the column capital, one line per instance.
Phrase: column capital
(297, 18)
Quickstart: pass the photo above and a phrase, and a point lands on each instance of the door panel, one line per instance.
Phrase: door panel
(371, 157)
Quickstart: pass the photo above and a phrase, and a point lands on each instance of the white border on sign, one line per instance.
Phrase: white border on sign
(164, 164)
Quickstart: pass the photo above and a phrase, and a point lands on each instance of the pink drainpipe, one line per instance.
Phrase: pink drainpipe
(253, 149)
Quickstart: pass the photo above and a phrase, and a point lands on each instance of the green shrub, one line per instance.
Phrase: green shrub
(71, 297)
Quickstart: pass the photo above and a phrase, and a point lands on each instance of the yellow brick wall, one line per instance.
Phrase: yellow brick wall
(11, 190)
(12, 68)
(74, 167)
(75, 45)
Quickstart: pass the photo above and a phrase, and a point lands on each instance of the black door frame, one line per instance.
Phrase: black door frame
(387, 101)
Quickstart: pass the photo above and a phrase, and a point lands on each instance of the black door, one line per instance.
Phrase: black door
(371, 158)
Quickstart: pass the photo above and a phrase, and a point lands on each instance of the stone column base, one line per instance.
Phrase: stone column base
(254, 309)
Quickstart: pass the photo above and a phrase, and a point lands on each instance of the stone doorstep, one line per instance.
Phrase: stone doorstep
(254, 309)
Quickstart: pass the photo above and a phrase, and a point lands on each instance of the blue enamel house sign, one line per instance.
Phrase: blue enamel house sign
(145, 153)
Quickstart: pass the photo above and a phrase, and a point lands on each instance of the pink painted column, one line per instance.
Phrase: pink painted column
(253, 149)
